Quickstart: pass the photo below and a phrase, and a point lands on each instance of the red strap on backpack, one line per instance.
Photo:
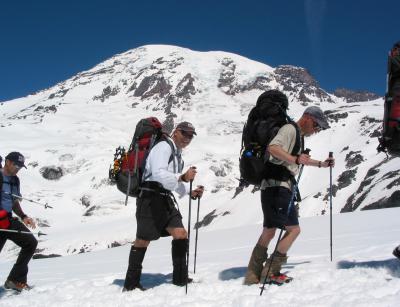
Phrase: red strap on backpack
(4, 220)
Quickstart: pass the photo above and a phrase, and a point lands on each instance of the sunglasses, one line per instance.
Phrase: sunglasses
(17, 167)
(316, 126)
(187, 135)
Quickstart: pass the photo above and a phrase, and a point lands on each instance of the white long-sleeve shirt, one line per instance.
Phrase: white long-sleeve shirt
(158, 169)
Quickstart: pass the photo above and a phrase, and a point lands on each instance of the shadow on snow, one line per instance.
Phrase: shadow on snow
(239, 272)
(391, 265)
(148, 280)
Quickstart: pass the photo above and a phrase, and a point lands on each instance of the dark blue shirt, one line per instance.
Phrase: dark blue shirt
(9, 187)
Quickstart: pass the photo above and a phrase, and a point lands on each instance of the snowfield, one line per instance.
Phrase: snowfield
(363, 271)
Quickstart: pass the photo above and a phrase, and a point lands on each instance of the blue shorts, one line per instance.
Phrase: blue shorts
(275, 203)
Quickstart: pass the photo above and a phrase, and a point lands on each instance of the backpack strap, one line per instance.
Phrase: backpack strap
(299, 144)
(173, 155)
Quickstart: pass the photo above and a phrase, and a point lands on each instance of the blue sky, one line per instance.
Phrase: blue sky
(342, 43)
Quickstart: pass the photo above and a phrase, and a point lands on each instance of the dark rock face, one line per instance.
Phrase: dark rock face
(152, 85)
(366, 186)
(85, 200)
(227, 77)
(260, 83)
(114, 244)
(107, 92)
(389, 202)
(335, 116)
(49, 109)
(346, 178)
(91, 211)
(298, 79)
(52, 172)
(353, 158)
(186, 87)
(168, 124)
(353, 96)
(371, 126)
(61, 93)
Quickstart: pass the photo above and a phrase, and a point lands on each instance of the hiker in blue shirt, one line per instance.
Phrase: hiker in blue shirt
(9, 203)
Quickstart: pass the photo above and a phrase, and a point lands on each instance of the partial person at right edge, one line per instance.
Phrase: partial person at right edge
(276, 196)
(157, 214)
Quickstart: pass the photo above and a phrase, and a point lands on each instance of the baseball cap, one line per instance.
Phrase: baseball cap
(187, 127)
(17, 158)
(319, 116)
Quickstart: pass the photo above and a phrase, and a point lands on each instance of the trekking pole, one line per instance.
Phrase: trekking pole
(30, 200)
(294, 189)
(188, 245)
(25, 232)
(197, 234)
(330, 197)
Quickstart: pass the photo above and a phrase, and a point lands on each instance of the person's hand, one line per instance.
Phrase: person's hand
(328, 162)
(28, 221)
(198, 192)
(189, 174)
(303, 159)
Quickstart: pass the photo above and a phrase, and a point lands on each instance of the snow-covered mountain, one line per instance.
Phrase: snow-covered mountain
(69, 132)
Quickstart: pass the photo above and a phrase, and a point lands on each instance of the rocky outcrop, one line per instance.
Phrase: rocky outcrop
(354, 96)
(52, 172)
(299, 80)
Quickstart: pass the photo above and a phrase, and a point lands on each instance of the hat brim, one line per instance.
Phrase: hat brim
(188, 130)
(322, 123)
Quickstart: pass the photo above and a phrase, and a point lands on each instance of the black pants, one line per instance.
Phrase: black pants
(28, 245)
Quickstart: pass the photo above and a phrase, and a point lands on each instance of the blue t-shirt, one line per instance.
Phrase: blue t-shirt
(9, 187)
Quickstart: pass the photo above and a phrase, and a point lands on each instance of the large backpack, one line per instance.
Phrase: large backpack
(390, 140)
(263, 123)
(128, 167)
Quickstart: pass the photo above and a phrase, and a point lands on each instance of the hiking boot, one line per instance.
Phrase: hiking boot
(273, 265)
(17, 286)
(255, 266)
(278, 279)
(138, 286)
(396, 252)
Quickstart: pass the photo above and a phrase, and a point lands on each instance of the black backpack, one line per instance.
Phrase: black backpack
(263, 123)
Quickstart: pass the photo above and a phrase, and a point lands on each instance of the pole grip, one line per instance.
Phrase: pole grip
(330, 154)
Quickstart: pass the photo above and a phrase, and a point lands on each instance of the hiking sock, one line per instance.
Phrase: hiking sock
(179, 274)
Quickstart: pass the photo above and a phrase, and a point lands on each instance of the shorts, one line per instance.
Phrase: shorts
(155, 213)
(275, 203)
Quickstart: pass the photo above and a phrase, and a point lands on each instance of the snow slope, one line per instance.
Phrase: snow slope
(363, 271)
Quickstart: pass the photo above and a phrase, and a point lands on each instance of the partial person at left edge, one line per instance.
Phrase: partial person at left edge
(9, 203)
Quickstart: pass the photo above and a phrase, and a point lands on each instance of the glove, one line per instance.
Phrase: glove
(4, 220)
